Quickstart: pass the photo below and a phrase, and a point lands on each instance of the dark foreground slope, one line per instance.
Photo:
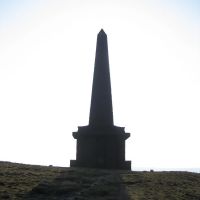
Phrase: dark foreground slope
(18, 181)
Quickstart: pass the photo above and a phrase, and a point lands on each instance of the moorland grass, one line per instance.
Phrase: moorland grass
(31, 182)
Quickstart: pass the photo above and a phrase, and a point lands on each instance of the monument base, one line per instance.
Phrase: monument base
(126, 165)
(101, 147)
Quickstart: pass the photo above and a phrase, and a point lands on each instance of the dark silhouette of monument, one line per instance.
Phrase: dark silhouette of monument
(101, 144)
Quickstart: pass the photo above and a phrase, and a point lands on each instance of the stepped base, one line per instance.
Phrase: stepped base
(126, 165)
(102, 148)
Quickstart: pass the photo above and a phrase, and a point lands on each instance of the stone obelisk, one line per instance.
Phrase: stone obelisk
(101, 144)
(101, 113)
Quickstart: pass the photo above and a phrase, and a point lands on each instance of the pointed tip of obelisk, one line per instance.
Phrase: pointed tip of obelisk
(101, 33)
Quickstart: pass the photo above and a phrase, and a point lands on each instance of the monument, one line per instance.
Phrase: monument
(101, 144)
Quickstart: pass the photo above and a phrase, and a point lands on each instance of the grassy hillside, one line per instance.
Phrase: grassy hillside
(18, 181)
(163, 185)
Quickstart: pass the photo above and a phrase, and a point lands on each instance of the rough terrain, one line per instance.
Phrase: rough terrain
(19, 181)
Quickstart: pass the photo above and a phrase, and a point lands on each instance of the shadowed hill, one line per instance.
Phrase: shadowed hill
(19, 181)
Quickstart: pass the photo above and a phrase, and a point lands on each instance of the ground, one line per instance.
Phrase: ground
(19, 181)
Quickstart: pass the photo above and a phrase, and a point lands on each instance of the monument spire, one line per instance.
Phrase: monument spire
(101, 144)
(101, 113)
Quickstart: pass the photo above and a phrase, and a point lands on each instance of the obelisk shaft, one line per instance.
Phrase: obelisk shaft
(101, 112)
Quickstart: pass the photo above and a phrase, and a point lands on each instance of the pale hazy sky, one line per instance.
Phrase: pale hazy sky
(47, 51)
